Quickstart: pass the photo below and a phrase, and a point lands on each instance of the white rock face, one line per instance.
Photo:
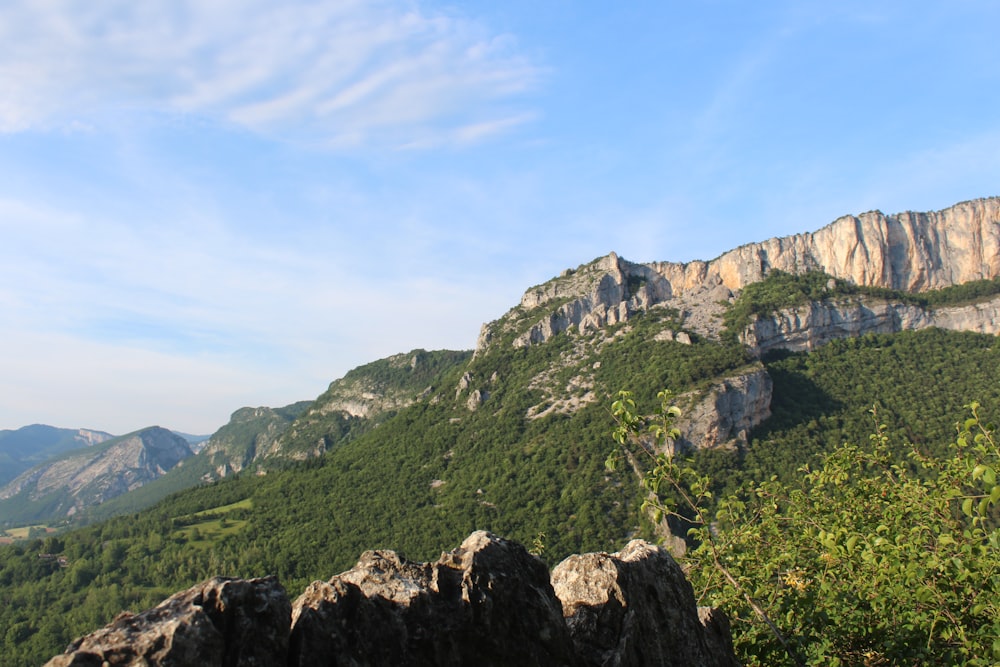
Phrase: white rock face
(728, 412)
(907, 251)
(817, 323)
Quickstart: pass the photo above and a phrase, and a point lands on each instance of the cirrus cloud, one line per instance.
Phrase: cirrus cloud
(343, 74)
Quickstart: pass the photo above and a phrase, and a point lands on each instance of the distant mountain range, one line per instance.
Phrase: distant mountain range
(77, 479)
(28, 446)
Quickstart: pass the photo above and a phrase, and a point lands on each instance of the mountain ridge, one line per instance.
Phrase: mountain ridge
(74, 480)
(513, 437)
(908, 251)
(912, 251)
(30, 445)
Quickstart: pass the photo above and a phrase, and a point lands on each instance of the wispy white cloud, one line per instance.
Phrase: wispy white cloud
(341, 73)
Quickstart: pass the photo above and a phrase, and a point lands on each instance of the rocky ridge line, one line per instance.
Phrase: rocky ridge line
(488, 602)
(908, 251)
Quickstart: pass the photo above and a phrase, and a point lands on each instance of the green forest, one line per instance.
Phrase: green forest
(431, 473)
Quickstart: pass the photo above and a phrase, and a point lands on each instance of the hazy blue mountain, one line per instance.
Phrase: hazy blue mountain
(25, 447)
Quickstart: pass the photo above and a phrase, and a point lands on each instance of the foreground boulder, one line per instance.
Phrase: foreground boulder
(635, 607)
(219, 622)
(488, 602)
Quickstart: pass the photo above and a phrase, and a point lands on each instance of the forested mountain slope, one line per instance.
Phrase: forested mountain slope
(438, 470)
(414, 452)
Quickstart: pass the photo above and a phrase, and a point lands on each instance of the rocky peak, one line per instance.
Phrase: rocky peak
(605, 292)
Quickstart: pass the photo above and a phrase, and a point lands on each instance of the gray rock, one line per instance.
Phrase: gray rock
(230, 622)
(725, 414)
(489, 602)
(812, 325)
(636, 608)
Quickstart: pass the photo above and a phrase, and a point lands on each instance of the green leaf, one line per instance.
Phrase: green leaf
(967, 507)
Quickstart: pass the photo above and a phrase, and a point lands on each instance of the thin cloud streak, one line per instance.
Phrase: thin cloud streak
(336, 73)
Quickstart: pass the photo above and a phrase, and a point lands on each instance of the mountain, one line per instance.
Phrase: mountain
(258, 439)
(900, 254)
(30, 445)
(351, 405)
(909, 252)
(364, 398)
(776, 351)
(63, 486)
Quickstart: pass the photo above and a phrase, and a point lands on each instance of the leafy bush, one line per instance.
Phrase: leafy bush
(862, 561)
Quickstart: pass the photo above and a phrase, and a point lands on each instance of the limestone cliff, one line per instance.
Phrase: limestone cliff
(724, 415)
(906, 251)
(814, 324)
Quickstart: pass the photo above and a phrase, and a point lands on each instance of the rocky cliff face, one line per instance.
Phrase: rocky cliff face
(488, 602)
(814, 324)
(907, 251)
(724, 415)
(97, 474)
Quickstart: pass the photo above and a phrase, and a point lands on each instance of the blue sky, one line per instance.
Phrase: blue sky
(206, 204)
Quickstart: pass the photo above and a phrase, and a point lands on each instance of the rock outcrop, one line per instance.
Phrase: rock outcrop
(488, 602)
(727, 412)
(816, 323)
(635, 607)
(219, 622)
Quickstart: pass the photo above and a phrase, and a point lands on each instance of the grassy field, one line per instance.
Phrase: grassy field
(202, 534)
(12, 535)
(225, 509)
